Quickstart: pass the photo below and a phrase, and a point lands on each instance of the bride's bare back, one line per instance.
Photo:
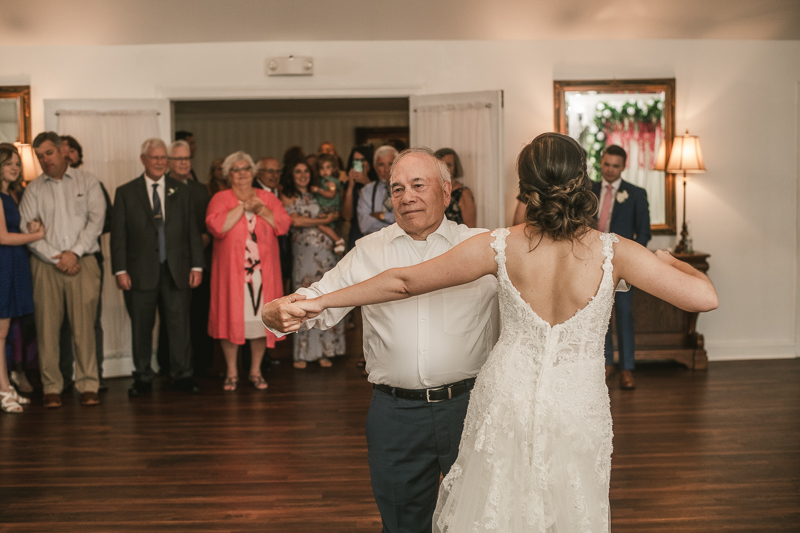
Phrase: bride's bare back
(556, 278)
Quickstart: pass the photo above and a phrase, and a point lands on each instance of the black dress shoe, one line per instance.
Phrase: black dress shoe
(139, 388)
(186, 385)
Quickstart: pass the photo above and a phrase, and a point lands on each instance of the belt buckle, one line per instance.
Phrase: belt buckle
(443, 387)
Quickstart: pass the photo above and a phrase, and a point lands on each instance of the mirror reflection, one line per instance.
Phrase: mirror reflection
(634, 121)
(9, 120)
(639, 116)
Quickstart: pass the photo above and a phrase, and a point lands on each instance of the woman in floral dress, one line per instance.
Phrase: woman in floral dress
(312, 257)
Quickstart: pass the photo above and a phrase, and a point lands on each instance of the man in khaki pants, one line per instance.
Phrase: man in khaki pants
(70, 204)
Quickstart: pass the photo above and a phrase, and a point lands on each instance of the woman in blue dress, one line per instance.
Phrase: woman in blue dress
(16, 293)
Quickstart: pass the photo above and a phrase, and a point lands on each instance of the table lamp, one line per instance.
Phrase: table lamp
(686, 157)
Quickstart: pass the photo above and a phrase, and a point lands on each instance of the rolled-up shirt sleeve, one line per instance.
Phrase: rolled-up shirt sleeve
(95, 218)
(347, 272)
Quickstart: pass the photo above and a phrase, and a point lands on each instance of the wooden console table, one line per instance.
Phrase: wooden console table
(664, 332)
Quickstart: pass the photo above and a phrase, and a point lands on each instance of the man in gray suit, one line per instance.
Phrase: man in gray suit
(157, 258)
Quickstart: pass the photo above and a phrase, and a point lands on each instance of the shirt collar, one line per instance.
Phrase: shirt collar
(150, 182)
(446, 229)
(614, 184)
(67, 174)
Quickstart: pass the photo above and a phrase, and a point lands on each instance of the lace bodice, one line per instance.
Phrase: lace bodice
(535, 453)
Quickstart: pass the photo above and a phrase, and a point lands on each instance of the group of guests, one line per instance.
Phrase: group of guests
(203, 257)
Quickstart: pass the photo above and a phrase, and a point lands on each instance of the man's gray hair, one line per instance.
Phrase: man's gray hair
(154, 142)
(441, 166)
(179, 144)
(383, 151)
(235, 157)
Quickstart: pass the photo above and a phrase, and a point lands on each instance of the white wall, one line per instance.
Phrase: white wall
(740, 97)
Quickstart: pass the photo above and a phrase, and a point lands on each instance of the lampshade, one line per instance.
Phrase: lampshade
(30, 163)
(686, 156)
(661, 158)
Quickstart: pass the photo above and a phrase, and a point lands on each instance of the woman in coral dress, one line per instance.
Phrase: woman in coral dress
(245, 265)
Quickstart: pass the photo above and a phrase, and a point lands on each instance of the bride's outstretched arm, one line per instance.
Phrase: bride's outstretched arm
(466, 262)
(664, 277)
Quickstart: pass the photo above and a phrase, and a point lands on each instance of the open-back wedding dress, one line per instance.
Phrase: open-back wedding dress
(535, 454)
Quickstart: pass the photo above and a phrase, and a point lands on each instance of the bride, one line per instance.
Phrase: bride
(535, 453)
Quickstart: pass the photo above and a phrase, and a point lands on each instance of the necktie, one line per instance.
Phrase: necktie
(158, 214)
(602, 224)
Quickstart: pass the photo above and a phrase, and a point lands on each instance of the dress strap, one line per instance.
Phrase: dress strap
(499, 245)
(608, 246)
(608, 251)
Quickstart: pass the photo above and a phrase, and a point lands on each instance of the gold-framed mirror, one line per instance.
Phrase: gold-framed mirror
(15, 113)
(638, 115)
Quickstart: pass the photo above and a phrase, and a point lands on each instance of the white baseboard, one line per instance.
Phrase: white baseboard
(121, 365)
(744, 350)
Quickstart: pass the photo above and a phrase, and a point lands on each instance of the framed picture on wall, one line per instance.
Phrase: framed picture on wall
(378, 136)
(639, 116)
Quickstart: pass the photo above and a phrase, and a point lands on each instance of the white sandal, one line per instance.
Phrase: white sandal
(8, 402)
(22, 400)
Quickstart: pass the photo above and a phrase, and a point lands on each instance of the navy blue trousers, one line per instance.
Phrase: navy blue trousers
(411, 443)
(624, 311)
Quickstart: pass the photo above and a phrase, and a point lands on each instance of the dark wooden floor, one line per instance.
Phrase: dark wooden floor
(693, 451)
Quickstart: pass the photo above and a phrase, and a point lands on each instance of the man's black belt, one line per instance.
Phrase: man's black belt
(436, 394)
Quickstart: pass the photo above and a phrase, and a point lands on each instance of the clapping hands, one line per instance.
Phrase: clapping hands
(253, 205)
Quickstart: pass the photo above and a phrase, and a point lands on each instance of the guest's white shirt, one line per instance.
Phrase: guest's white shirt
(72, 210)
(603, 192)
(161, 190)
(366, 206)
(423, 341)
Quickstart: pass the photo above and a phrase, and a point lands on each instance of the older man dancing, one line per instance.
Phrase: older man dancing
(422, 353)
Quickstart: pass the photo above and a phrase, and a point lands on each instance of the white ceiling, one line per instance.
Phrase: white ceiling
(94, 22)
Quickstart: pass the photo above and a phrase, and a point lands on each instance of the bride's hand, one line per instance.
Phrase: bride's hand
(312, 307)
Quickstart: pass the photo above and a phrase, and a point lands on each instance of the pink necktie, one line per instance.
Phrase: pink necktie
(602, 224)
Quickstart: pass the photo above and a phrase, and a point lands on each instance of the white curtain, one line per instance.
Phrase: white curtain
(466, 128)
(111, 144)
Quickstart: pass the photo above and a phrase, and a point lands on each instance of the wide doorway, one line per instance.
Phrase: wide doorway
(266, 128)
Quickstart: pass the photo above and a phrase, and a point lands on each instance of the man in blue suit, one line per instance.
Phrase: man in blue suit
(623, 210)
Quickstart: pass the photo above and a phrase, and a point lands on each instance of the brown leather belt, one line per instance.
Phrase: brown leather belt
(436, 394)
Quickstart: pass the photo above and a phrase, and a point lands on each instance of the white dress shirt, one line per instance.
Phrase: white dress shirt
(603, 192)
(161, 190)
(423, 341)
(366, 222)
(72, 210)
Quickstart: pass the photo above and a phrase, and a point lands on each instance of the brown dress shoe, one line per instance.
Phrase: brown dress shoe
(626, 380)
(52, 401)
(609, 370)
(89, 398)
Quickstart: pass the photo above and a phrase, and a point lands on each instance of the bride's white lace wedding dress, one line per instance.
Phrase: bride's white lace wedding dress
(535, 455)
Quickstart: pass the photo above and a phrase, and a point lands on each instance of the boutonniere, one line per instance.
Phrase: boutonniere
(174, 190)
(622, 196)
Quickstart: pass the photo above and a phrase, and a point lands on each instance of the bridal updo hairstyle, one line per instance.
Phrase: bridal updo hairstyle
(557, 190)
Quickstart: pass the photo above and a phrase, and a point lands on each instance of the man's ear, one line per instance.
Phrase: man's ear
(447, 187)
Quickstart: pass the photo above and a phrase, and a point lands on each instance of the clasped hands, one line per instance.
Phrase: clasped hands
(288, 313)
(68, 263)
(254, 205)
